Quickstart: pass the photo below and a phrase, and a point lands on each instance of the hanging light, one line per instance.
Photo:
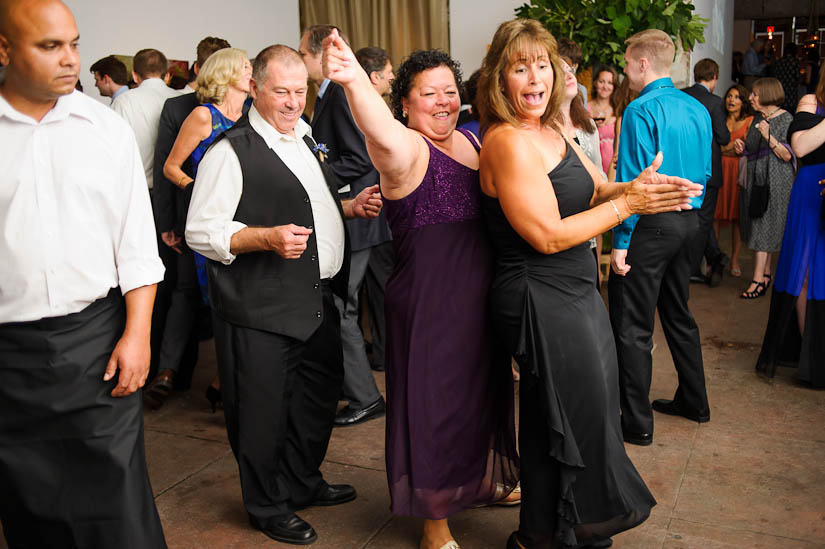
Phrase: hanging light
(770, 32)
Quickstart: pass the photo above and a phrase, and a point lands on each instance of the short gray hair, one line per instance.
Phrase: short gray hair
(279, 52)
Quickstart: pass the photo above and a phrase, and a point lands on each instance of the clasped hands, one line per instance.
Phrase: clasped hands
(652, 193)
(290, 241)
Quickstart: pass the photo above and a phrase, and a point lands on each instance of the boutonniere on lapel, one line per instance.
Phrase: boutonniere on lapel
(322, 151)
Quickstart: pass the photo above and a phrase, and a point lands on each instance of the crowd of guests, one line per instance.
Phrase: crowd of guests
(223, 201)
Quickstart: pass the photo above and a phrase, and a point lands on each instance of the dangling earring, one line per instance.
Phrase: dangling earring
(404, 114)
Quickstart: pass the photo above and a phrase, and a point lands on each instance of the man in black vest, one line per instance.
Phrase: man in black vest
(333, 125)
(265, 212)
(706, 75)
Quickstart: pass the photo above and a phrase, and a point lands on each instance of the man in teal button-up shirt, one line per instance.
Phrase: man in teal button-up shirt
(650, 261)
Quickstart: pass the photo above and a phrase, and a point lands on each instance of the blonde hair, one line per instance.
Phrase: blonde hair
(514, 41)
(654, 45)
(220, 71)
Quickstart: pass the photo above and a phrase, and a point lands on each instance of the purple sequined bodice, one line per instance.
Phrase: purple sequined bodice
(449, 193)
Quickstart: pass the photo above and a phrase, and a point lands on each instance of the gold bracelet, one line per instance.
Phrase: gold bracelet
(615, 209)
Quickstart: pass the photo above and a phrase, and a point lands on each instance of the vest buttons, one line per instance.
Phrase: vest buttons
(306, 200)
(318, 314)
(313, 258)
(311, 228)
(316, 286)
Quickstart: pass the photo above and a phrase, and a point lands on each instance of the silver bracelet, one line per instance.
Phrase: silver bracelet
(615, 209)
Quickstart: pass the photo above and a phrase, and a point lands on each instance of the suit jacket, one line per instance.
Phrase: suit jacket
(333, 125)
(171, 202)
(721, 136)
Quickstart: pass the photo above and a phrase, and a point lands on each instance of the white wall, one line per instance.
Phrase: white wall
(175, 27)
(718, 39)
(472, 25)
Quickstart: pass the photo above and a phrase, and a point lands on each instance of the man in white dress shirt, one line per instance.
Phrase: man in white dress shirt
(142, 105)
(77, 233)
(265, 212)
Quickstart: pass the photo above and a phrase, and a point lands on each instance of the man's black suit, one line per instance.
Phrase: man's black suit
(178, 347)
(705, 242)
(372, 250)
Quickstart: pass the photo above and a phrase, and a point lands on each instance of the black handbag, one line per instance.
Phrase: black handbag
(760, 195)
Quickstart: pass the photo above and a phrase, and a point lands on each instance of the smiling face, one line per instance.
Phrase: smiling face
(433, 102)
(528, 83)
(39, 50)
(604, 85)
(733, 102)
(281, 97)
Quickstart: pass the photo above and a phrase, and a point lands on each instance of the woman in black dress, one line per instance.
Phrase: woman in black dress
(543, 200)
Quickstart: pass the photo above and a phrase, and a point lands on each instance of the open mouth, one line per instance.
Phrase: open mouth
(442, 115)
(533, 98)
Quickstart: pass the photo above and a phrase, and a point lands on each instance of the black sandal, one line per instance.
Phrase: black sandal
(768, 283)
(759, 291)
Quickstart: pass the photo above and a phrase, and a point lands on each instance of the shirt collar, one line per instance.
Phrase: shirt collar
(323, 88)
(707, 88)
(665, 82)
(119, 91)
(66, 105)
(154, 82)
(272, 136)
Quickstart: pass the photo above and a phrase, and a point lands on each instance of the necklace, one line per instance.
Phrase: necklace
(773, 112)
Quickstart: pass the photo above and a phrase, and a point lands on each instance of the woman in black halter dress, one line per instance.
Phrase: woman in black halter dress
(542, 200)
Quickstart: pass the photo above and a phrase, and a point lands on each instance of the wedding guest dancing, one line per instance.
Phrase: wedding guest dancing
(543, 198)
(78, 233)
(450, 433)
(265, 212)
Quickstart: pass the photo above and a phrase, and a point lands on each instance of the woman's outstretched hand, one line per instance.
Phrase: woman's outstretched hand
(652, 192)
(338, 61)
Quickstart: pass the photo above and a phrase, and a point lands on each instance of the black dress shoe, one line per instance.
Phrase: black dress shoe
(699, 279)
(335, 494)
(639, 439)
(348, 416)
(291, 529)
(717, 269)
(672, 408)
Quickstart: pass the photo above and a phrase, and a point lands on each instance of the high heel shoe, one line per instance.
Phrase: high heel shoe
(214, 397)
(768, 282)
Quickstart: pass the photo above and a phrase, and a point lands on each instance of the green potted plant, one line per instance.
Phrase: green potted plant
(600, 27)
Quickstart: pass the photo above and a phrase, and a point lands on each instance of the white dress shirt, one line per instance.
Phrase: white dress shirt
(219, 184)
(74, 209)
(141, 108)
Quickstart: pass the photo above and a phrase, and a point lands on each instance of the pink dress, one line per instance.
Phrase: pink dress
(607, 133)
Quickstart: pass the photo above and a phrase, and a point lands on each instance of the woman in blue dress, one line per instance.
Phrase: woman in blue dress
(797, 313)
(223, 85)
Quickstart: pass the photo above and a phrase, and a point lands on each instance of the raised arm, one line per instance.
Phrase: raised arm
(196, 128)
(393, 148)
(513, 169)
(805, 141)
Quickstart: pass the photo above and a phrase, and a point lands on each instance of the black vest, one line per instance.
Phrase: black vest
(262, 290)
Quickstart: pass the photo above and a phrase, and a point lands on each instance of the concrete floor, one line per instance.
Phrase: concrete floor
(754, 476)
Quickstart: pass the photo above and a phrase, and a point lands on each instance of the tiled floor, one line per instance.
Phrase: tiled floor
(754, 476)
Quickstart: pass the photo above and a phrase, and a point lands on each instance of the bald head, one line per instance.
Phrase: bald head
(38, 46)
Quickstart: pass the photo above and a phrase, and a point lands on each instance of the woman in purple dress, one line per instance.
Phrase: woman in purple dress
(450, 431)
